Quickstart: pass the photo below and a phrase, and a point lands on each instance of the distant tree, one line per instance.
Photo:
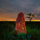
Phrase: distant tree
(30, 16)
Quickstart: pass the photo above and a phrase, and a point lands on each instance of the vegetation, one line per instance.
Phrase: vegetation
(7, 30)
(30, 16)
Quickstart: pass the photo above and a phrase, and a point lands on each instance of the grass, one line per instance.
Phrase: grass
(8, 32)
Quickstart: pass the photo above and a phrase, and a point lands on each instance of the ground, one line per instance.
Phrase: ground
(7, 30)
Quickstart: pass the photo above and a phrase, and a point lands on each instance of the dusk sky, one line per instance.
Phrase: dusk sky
(9, 9)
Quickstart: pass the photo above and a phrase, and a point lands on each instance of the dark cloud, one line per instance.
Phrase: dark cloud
(25, 6)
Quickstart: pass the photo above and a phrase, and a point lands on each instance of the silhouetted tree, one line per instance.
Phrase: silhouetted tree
(30, 16)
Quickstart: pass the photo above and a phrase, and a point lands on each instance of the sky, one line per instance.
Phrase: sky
(9, 9)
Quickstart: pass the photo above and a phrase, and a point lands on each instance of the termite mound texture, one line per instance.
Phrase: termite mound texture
(20, 24)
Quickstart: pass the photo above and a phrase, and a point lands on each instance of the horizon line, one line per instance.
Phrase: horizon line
(15, 20)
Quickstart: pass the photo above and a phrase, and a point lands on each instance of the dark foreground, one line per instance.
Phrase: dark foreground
(7, 30)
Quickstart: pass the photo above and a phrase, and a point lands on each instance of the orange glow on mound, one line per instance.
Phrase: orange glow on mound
(20, 24)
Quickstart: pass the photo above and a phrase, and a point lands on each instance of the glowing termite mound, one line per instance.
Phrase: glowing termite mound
(20, 24)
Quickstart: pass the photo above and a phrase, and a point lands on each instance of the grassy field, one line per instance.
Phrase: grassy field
(7, 30)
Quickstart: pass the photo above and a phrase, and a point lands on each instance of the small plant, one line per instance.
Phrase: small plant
(30, 16)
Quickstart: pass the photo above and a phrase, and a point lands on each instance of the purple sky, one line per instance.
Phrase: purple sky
(9, 9)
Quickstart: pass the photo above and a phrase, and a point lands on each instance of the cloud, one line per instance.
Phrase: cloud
(4, 15)
(37, 9)
(19, 5)
(6, 19)
(11, 8)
